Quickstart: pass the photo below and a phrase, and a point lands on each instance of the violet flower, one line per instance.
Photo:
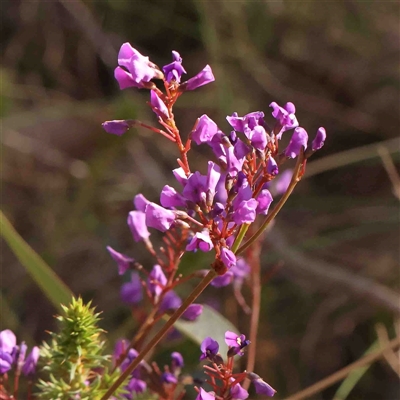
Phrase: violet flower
(228, 257)
(272, 166)
(8, 341)
(137, 69)
(249, 121)
(245, 211)
(209, 348)
(157, 280)
(116, 127)
(240, 270)
(260, 385)
(171, 198)
(319, 139)
(137, 225)
(192, 312)
(140, 202)
(132, 292)
(167, 377)
(258, 137)
(202, 78)
(282, 182)
(264, 200)
(222, 280)
(136, 385)
(158, 105)
(177, 360)
(299, 139)
(29, 367)
(175, 70)
(6, 361)
(159, 217)
(202, 241)
(205, 130)
(236, 343)
(170, 301)
(180, 175)
(238, 393)
(203, 395)
(285, 117)
(122, 260)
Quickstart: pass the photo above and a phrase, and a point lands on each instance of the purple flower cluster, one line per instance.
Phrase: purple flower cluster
(138, 382)
(136, 70)
(13, 355)
(209, 351)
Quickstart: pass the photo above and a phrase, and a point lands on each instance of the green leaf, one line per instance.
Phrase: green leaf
(52, 286)
(353, 378)
(210, 323)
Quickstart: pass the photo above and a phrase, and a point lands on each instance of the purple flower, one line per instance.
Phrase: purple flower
(205, 130)
(132, 292)
(120, 347)
(299, 139)
(193, 312)
(116, 127)
(29, 367)
(261, 386)
(319, 139)
(170, 301)
(167, 377)
(284, 116)
(122, 260)
(201, 240)
(6, 361)
(132, 354)
(238, 393)
(258, 137)
(137, 69)
(236, 343)
(200, 189)
(140, 202)
(136, 385)
(21, 355)
(264, 200)
(158, 105)
(157, 280)
(228, 257)
(283, 181)
(249, 121)
(175, 70)
(272, 166)
(245, 211)
(202, 78)
(159, 217)
(203, 395)
(222, 280)
(180, 175)
(8, 341)
(209, 348)
(171, 198)
(240, 270)
(137, 225)
(177, 360)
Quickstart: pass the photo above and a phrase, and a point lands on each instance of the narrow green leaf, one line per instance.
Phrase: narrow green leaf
(353, 378)
(210, 323)
(52, 286)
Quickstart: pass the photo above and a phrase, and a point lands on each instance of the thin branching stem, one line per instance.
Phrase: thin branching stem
(161, 333)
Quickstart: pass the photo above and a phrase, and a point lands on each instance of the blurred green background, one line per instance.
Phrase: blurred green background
(331, 262)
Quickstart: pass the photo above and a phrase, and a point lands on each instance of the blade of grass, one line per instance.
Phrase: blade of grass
(354, 377)
(51, 285)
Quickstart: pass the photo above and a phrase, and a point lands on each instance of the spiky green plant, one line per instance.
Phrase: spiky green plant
(74, 359)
